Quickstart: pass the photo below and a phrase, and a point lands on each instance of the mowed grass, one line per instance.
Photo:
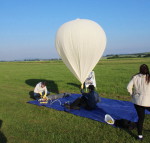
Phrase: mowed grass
(26, 123)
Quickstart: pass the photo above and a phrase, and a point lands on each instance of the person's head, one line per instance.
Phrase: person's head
(91, 87)
(43, 84)
(145, 71)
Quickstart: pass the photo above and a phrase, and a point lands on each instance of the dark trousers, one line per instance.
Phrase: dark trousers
(141, 115)
(80, 102)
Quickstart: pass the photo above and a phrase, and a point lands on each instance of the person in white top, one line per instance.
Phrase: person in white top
(139, 89)
(40, 90)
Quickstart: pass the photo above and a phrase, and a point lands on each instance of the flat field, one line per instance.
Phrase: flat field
(25, 123)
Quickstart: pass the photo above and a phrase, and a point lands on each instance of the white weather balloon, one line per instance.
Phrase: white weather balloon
(80, 43)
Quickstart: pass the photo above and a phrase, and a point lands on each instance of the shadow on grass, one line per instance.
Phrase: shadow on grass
(74, 84)
(3, 139)
(147, 130)
(31, 93)
(51, 85)
(127, 126)
(130, 133)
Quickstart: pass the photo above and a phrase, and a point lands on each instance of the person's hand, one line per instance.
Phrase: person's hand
(45, 98)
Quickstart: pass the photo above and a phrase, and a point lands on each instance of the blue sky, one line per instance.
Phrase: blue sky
(28, 27)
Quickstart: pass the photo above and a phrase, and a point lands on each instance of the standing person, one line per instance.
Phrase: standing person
(87, 100)
(40, 90)
(139, 89)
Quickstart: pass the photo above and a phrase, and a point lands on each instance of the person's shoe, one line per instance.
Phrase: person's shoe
(67, 94)
(140, 139)
(67, 106)
(75, 107)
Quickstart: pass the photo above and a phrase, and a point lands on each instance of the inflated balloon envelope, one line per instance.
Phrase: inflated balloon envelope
(80, 43)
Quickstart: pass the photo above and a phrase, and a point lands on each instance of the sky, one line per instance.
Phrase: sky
(28, 27)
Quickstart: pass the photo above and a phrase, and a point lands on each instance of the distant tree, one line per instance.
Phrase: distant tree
(113, 57)
(147, 55)
(116, 56)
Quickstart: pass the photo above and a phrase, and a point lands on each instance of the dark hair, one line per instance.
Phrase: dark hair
(43, 83)
(145, 71)
(91, 87)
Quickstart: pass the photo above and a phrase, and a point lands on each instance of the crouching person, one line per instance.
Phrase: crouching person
(87, 100)
(40, 90)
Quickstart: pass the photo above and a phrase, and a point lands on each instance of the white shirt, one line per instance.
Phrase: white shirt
(140, 90)
(39, 89)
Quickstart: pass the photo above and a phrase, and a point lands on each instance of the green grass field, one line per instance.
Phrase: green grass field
(26, 123)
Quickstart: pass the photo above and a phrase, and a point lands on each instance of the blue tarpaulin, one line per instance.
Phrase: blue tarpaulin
(116, 108)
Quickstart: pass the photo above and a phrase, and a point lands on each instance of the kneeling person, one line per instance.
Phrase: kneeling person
(40, 91)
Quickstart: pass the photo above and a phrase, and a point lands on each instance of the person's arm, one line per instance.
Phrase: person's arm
(130, 87)
(45, 92)
(97, 97)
